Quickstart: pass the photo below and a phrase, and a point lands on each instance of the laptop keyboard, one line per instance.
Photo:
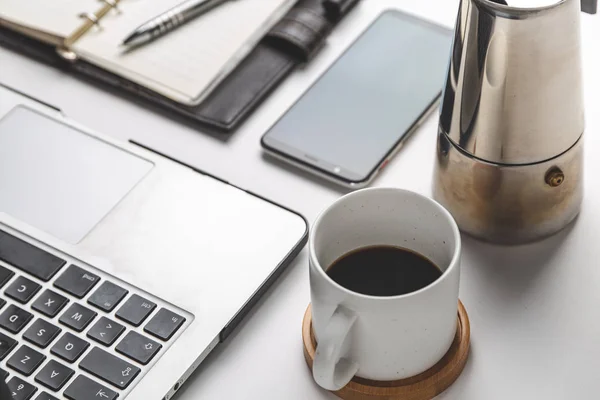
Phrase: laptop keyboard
(67, 332)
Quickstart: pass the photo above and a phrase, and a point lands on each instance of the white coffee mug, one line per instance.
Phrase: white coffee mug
(382, 338)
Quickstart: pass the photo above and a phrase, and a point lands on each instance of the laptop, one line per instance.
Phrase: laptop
(120, 269)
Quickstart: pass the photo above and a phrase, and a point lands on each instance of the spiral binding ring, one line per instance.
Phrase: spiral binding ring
(90, 17)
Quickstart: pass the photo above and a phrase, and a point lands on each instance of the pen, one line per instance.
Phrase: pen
(170, 20)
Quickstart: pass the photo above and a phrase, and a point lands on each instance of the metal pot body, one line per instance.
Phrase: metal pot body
(510, 146)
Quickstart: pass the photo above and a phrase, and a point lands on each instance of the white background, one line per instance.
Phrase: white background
(535, 310)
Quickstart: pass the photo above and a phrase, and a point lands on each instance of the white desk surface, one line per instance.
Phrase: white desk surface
(535, 310)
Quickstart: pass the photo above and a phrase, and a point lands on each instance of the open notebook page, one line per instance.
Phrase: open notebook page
(57, 18)
(187, 63)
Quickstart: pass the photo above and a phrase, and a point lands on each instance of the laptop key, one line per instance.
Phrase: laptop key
(25, 360)
(139, 348)
(76, 281)
(5, 275)
(45, 396)
(164, 324)
(14, 319)
(22, 289)
(109, 368)
(41, 333)
(69, 347)
(49, 303)
(54, 375)
(6, 345)
(107, 296)
(29, 258)
(83, 388)
(2, 303)
(135, 310)
(105, 331)
(77, 317)
(20, 389)
(3, 375)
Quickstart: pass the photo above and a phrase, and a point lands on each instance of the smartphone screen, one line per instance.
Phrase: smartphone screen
(351, 119)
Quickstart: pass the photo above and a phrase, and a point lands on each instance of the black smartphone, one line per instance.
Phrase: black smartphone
(351, 121)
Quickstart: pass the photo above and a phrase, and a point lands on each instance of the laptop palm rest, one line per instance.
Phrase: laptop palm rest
(59, 179)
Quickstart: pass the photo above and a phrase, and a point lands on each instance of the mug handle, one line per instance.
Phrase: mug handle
(330, 370)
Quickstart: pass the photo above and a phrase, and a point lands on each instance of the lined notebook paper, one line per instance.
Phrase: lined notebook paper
(185, 64)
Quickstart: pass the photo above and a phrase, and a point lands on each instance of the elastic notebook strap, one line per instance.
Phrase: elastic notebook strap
(589, 6)
(304, 30)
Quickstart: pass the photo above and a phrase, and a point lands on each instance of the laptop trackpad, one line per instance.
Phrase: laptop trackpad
(59, 179)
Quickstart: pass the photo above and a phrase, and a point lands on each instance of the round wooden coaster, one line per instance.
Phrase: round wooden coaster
(424, 386)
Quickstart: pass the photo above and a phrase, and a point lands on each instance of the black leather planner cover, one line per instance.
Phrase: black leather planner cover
(293, 41)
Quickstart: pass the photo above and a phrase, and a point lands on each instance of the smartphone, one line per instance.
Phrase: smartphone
(354, 118)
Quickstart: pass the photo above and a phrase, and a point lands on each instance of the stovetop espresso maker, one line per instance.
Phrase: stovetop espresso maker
(509, 163)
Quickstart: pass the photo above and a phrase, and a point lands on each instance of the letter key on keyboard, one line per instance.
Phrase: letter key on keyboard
(41, 333)
(22, 290)
(69, 347)
(77, 317)
(54, 375)
(25, 360)
(49, 303)
(13, 319)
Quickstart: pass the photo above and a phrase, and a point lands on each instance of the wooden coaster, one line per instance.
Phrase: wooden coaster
(424, 386)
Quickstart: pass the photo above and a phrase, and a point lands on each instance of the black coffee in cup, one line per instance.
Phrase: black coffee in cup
(383, 271)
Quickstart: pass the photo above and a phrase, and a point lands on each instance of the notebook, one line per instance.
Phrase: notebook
(184, 65)
(293, 41)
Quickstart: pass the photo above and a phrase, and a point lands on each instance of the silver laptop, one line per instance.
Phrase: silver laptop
(120, 270)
